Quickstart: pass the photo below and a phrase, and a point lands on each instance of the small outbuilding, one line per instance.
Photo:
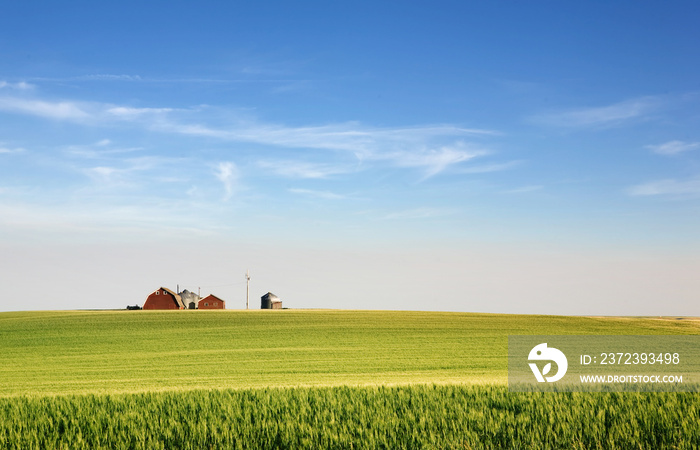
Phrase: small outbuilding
(164, 298)
(211, 302)
(270, 301)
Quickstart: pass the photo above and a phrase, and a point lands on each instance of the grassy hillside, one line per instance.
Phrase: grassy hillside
(77, 352)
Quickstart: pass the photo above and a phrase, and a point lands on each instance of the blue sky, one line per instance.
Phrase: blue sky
(486, 156)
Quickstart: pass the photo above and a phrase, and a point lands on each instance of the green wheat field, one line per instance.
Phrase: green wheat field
(311, 379)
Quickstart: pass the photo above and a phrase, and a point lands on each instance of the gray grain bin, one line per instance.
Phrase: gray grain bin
(270, 301)
(190, 299)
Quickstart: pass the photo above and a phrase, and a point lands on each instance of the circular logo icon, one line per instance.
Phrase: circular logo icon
(541, 352)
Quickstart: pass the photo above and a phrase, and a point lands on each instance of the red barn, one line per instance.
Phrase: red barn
(211, 302)
(164, 299)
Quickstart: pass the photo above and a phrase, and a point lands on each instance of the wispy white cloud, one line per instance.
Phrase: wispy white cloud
(6, 150)
(524, 189)
(102, 173)
(600, 116)
(429, 148)
(413, 147)
(64, 110)
(22, 86)
(324, 195)
(99, 218)
(436, 160)
(130, 172)
(673, 147)
(108, 77)
(128, 113)
(668, 187)
(228, 174)
(301, 169)
(487, 168)
(291, 86)
(363, 141)
(87, 113)
(417, 213)
(89, 77)
(100, 149)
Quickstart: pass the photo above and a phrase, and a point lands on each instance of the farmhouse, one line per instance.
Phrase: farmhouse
(164, 298)
(211, 302)
(270, 301)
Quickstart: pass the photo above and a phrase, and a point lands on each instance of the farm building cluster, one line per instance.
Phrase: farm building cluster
(164, 298)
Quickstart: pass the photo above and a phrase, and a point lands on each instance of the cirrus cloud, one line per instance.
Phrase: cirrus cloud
(323, 195)
(600, 116)
(431, 149)
(227, 173)
(668, 187)
(22, 86)
(673, 147)
(63, 110)
(301, 169)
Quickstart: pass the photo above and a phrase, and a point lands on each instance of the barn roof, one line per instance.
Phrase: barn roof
(178, 299)
(212, 296)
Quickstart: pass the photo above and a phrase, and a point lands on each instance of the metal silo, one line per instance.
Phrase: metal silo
(267, 300)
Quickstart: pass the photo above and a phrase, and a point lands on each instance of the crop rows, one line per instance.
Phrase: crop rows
(108, 352)
(419, 416)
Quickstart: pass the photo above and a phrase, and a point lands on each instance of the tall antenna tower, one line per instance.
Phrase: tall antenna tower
(247, 288)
